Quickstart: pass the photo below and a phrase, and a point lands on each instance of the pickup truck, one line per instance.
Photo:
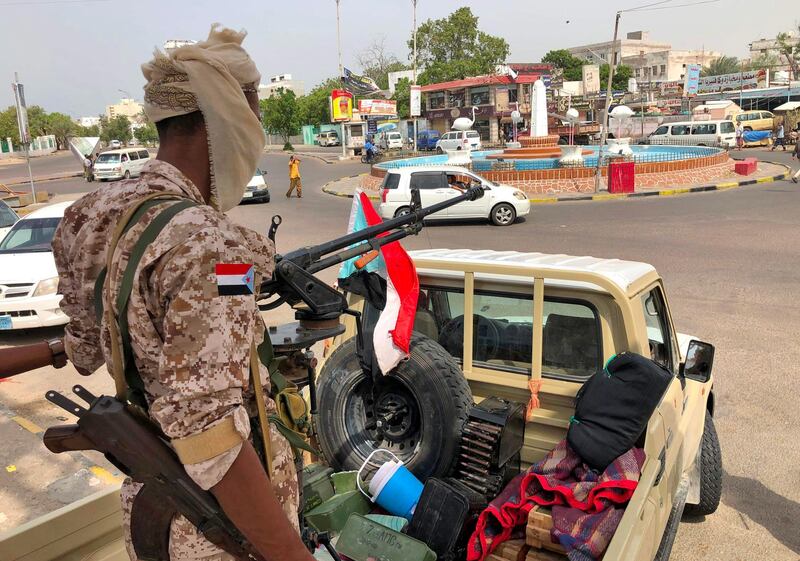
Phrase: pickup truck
(504, 317)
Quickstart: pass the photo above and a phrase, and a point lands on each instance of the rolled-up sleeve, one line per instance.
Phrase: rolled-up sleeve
(204, 363)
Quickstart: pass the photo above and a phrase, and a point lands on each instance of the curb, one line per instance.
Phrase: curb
(329, 187)
(44, 179)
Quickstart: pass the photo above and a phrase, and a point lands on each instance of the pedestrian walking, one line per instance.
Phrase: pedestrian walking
(294, 177)
(739, 136)
(796, 154)
(87, 168)
(780, 138)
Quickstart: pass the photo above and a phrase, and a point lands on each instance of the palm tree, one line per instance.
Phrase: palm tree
(722, 65)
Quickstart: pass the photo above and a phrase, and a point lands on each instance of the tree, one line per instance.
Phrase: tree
(453, 48)
(62, 127)
(764, 60)
(281, 115)
(621, 75)
(402, 94)
(570, 66)
(118, 128)
(146, 134)
(94, 130)
(789, 48)
(8, 125)
(722, 65)
(314, 108)
(376, 62)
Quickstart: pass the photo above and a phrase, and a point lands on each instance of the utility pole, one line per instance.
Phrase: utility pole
(22, 124)
(604, 128)
(414, 3)
(641, 88)
(341, 72)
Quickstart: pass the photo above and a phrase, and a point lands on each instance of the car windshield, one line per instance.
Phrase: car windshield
(7, 216)
(107, 159)
(30, 236)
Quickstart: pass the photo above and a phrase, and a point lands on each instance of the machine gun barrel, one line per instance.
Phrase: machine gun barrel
(304, 257)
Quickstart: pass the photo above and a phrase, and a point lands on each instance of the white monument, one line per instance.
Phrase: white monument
(538, 109)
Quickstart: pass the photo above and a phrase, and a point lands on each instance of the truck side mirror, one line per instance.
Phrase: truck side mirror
(699, 360)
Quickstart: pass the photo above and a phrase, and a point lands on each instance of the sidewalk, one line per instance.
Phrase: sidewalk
(768, 172)
(14, 181)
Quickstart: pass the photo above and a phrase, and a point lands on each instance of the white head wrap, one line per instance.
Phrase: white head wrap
(210, 77)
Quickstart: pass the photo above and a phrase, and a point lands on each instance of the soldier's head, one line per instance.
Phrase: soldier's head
(203, 99)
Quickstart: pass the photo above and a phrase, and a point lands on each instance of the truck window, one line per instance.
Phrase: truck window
(503, 331)
(658, 332)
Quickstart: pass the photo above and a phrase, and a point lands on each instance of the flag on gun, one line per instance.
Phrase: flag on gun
(388, 280)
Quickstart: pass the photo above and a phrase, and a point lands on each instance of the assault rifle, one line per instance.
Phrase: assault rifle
(136, 446)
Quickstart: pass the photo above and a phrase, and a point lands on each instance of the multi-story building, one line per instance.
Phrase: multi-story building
(127, 107)
(494, 96)
(88, 121)
(771, 48)
(650, 60)
(281, 82)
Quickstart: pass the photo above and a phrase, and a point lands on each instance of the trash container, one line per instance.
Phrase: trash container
(621, 177)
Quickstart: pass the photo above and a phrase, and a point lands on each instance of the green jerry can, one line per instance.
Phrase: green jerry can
(332, 515)
(363, 538)
(317, 485)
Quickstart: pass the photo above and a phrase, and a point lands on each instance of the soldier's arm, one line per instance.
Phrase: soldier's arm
(247, 497)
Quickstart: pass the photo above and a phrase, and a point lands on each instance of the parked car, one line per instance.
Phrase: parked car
(7, 219)
(500, 203)
(696, 133)
(756, 120)
(458, 140)
(426, 140)
(391, 140)
(328, 138)
(115, 144)
(120, 164)
(28, 277)
(257, 190)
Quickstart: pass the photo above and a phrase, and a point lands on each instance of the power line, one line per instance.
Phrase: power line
(642, 7)
(689, 4)
(49, 2)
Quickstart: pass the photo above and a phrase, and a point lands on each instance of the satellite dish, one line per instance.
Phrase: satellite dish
(454, 113)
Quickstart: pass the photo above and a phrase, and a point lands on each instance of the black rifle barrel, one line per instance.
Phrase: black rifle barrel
(361, 249)
(305, 256)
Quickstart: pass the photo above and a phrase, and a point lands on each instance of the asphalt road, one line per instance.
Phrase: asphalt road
(59, 162)
(729, 260)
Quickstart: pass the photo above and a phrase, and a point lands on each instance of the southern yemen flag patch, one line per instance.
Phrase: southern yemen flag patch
(235, 279)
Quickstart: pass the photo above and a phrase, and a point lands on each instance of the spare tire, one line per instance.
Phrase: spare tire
(417, 411)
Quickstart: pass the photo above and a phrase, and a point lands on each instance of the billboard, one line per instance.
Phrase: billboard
(416, 101)
(692, 84)
(749, 80)
(341, 105)
(377, 107)
(591, 78)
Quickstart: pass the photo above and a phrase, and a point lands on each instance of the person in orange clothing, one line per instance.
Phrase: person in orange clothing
(294, 177)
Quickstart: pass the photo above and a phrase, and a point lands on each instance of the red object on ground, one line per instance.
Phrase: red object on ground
(746, 166)
(621, 177)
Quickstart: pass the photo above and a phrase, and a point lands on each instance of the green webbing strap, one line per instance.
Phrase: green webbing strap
(266, 355)
(295, 439)
(132, 378)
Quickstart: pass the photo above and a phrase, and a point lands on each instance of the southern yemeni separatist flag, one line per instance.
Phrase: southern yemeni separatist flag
(390, 277)
(235, 279)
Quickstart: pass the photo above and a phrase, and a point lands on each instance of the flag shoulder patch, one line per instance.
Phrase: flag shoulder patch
(235, 279)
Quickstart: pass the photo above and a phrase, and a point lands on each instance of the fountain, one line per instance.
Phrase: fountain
(571, 155)
(461, 156)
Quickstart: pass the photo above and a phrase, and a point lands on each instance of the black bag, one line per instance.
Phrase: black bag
(613, 407)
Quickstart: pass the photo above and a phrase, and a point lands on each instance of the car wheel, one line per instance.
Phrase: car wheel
(701, 144)
(417, 411)
(439, 150)
(503, 214)
(127, 174)
(710, 472)
(402, 211)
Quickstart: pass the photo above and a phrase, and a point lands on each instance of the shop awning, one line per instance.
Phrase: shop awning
(788, 106)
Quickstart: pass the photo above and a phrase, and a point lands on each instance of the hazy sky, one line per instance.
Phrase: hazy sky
(74, 55)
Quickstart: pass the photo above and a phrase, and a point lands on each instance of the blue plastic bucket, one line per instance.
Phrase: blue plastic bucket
(401, 493)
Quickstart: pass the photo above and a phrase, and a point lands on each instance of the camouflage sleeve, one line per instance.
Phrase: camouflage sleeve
(204, 364)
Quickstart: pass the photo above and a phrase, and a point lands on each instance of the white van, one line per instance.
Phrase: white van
(391, 140)
(457, 140)
(696, 133)
(328, 138)
(120, 164)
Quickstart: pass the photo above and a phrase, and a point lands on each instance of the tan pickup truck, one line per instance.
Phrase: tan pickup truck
(505, 317)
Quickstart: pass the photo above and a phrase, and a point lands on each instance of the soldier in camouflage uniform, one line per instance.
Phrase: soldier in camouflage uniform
(191, 345)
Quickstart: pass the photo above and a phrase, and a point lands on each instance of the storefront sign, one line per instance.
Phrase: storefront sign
(591, 78)
(692, 84)
(377, 107)
(750, 80)
(341, 105)
(416, 101)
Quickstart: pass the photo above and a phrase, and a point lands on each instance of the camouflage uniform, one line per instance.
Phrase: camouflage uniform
(191, 345)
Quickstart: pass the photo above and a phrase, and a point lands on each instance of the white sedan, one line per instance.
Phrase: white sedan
(28, 278)
(501, 204)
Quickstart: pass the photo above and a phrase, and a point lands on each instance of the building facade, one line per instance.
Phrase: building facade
(88, 121)
(770, 48)
(493, 96)
(281, 82)
(128, 107)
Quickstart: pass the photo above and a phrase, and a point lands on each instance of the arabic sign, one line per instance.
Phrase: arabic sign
(341, 105)
(692, 83)
(591, 78)
(377, 107)
(750, 80)
(416, 101)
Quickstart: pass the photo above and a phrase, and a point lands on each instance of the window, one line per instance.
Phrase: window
(124, 158)
(107, 159)
(654, 69)
(134, 155)
(638, 72)
(457, 98)
(7, 216)
(473, 134)
(661, 130)
(705, 128)
(30, 236)
(663, 69)
(479, 96)
(512, 94)
(658, 333)
(436, 100)
(144, 154)
(680, 130)
(428, 180)
(726, 127)
(503, 331)
(391, 181)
